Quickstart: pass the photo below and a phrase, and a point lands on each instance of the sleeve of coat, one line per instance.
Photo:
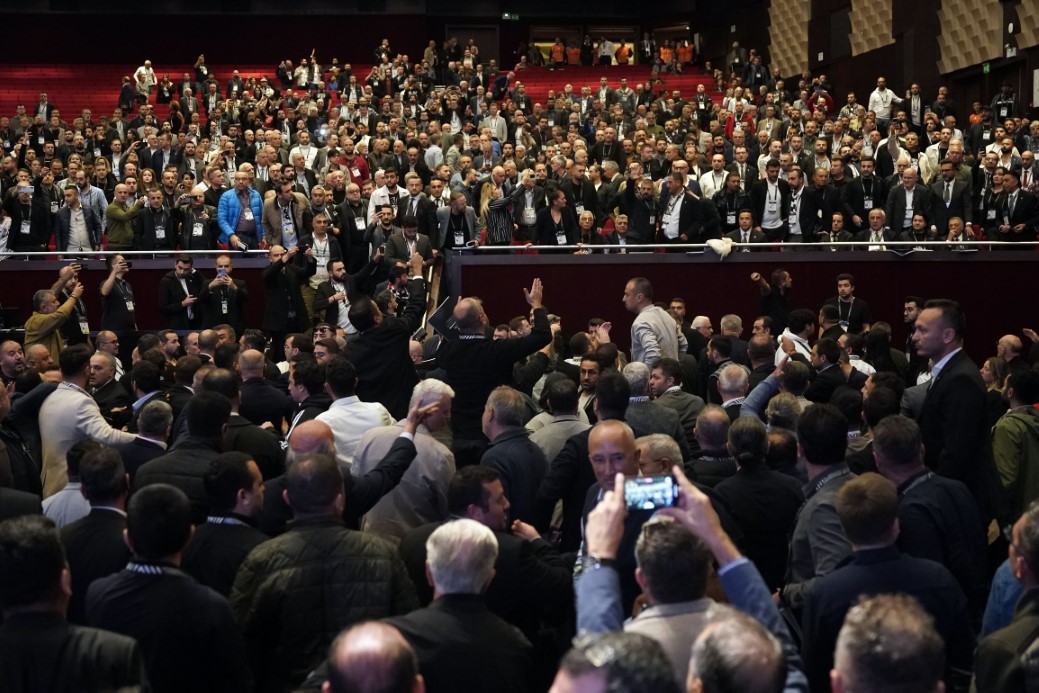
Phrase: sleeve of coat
(256, 612)
(561, 475)
(369, 488)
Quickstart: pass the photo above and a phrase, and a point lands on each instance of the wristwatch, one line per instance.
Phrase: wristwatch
(592, 562)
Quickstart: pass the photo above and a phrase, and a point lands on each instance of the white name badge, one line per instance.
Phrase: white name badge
(580, 208)
(772, 206)
(551, 122)
(986, 136)
(652, 219)
(560, 239)
(223, 306)
(84, 327)
(867, 204)
(909, 216)
(25, 228)
(248, 215)
(7, 144)
(459, 238)
(359, 223)
(703, 106)
(54, 207)
(793, 218)
(196, 229)
(40, 139)
(355, 172)
(990, 215)
(529, 217)
(160, 233)
(129, 306)
(730, 218)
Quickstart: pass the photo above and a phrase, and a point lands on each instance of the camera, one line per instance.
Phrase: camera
(650, 492)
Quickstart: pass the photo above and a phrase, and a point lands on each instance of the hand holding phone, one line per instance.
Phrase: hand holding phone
(650, 492)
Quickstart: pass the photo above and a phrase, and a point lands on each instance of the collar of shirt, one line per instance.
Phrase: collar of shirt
(345, 401)
(108, 507)
(140, 403)
(944, 360)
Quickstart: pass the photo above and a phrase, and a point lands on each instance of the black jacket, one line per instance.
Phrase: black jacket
(171, 293)
(137, 454)
(461, 627)
(530, 578)
(41, 651)
(262, 444)
(186, 631)
(521, 465)
(284, 309)
(17, 503)
(262, 402)
(94, 548)
(477, 366)
(385, 370)
(357, 285)
(217, 550)
(883, 571)
(293, 594)
(111, 396)
(361, 492)
(1002, 662)
(568, 478)
(212, 304)
(148, 225)
(184, 466)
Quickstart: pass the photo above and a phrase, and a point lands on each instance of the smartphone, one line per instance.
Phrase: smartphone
(129, 265)
(221, 272)
(382, 248)
(650, 492)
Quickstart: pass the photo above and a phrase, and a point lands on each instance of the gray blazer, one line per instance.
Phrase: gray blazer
(443, 225)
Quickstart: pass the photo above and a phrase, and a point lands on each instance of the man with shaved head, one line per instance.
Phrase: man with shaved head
(261, 401)
(285, 310)
(1009, 348)
(372, 657)
(476, 364)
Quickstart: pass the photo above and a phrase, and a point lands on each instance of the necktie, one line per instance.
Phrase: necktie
(1013, 201)
(746, 237)
(948, 192)
(414, 205)
(1024, 177)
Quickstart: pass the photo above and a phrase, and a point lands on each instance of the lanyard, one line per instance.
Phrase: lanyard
(916, 482)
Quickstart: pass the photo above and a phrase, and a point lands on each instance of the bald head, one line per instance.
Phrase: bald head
(372, 657)
(470, 316)
(1009, 345)
(311, 437)
(712, 428)
(612, 451)
(251, 363)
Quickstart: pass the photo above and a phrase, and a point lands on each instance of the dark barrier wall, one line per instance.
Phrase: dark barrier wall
(992, 287)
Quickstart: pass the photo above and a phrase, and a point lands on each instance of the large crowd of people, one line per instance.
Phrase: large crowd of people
(345, 498)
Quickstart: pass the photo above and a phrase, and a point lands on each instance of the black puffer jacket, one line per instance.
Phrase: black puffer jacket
(293, 594)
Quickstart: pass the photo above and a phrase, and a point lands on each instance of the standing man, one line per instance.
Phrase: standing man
(44, 325)
(770, 202)
(178, 295)
(854, 314)
(238, 213)
(222, 301)
(953, 419)
(117, 309)
(284, 310)
(654, 334)
(120, 217)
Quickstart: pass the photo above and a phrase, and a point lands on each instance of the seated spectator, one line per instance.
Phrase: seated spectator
(234, 488)
(281, 595)
(186, 631)
(94, 545)
(868, 511)
(888, 643)
(39, 649)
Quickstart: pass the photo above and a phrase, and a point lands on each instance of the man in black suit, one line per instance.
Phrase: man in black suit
(953, 418)
(178, 295)
(417, 205)
(679, 215)
(285, 310)
(580, 193)
(222, 301)
(334, 297)
(530, 576)
(803, 220)
(1020, 213)
(863, 194)
(826, 360)
(379, 351)
(827, 201)
(868, 510)
(234, 486)
(952, 198)
(154, 424)
(187, 632)
(186, 463)
(899, 212)
(459, 623)
(110, 395)
(94, 545)
(261, 401)
(261, 444)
